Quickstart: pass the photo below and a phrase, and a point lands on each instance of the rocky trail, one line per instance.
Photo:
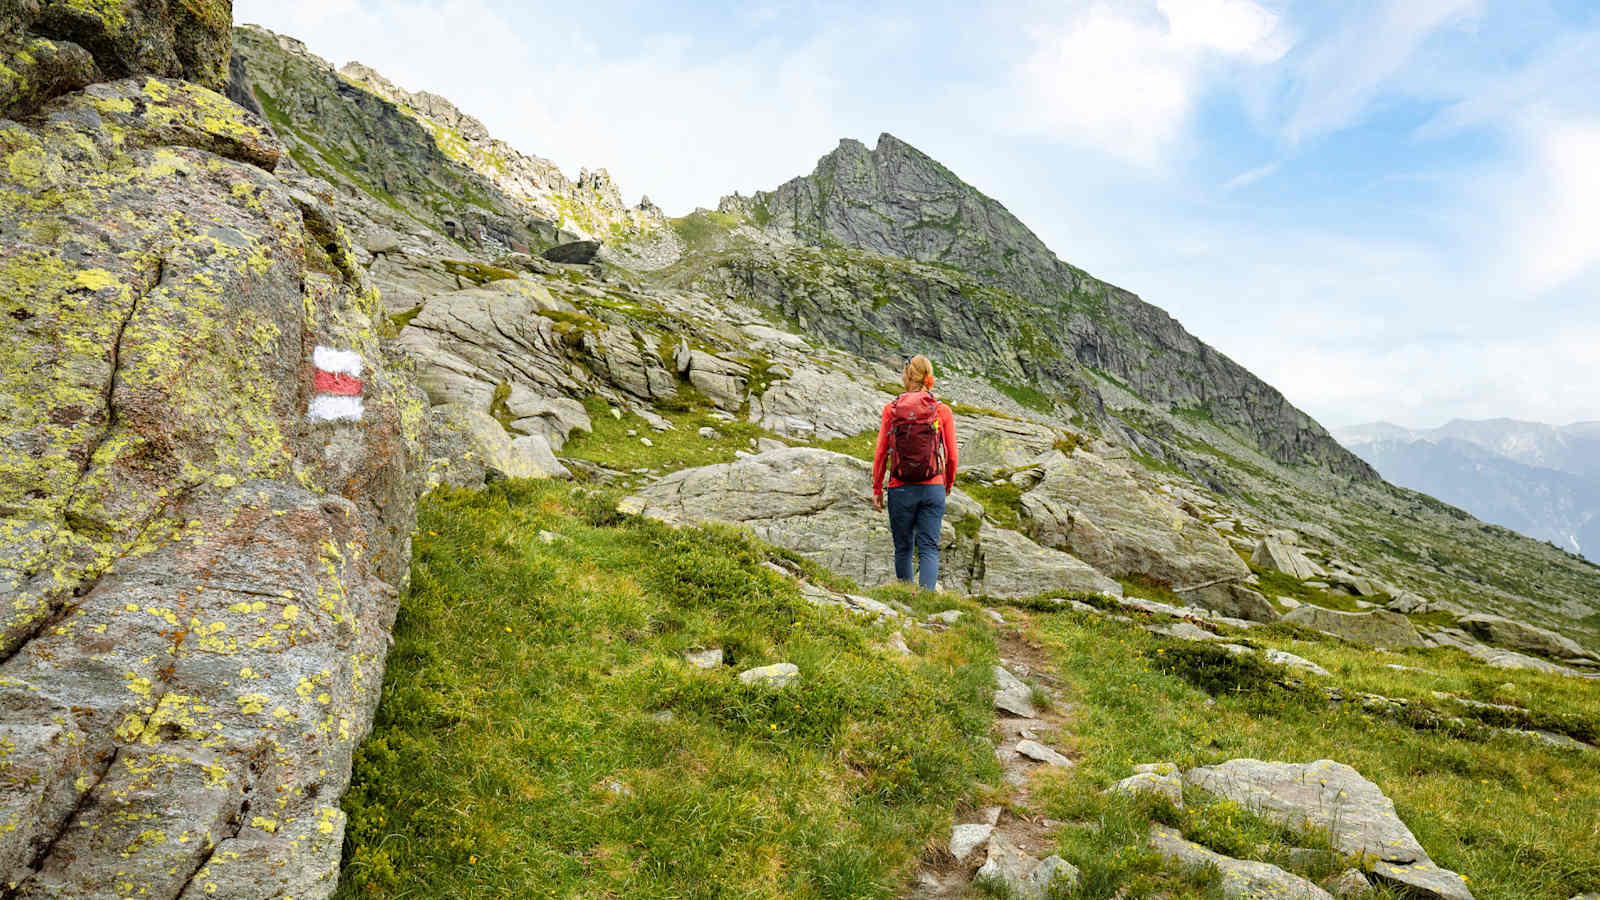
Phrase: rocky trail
(1032, 734)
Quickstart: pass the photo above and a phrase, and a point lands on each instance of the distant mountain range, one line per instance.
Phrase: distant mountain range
(1541, 480)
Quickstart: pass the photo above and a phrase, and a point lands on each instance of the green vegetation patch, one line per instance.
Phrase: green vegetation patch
(1002, 501)
(701, 229)
(476, 272)
(1027, 395)
(1148, 699)
(1279, 584)
(682, 447)
(540, 734)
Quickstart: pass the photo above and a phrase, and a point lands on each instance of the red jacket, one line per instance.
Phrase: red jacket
(880, 456)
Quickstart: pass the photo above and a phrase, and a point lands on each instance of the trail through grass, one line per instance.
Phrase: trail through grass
(540, 734)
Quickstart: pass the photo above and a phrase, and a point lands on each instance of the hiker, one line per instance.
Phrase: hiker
(917, 447)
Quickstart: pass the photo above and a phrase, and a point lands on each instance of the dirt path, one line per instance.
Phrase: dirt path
(1016, 820)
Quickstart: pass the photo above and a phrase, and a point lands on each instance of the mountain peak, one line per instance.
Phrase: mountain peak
(898, 201)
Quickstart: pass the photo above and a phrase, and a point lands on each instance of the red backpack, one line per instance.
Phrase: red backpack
(916, 444)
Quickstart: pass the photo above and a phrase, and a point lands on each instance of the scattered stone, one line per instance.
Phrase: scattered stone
(663, 716)
(548, 537)
(1160, 779)
(965, 840)
(647, 442)
(1244, 879)
(1285, 658)
(1379, 628)
(994, 615)
(705, 659)
(948, 617)
(1011, 695)
(765, 444)
(709, 433)
(617, 414)
(897, 643)
(779, 675)
(1184, 631)
(1349, 884)
(1024, 877)
(1040, 753)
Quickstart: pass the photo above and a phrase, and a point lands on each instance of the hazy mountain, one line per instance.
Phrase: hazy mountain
(1541, 480)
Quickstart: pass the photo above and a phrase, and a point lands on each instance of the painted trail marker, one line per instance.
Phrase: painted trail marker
(338, 386)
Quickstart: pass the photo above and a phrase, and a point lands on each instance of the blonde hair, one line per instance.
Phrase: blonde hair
(918, 374)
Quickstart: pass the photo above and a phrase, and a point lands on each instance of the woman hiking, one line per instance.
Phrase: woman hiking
(917, 447)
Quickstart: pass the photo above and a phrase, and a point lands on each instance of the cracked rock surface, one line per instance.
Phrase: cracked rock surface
(196, 580)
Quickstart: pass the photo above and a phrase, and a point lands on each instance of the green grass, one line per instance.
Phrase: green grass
(476, 272)
(521, 750)
(861, 446)
(1148, 699)
(682, 447)
(1279, 584)
(1001, 501)
(1026, 395)
(701, 229)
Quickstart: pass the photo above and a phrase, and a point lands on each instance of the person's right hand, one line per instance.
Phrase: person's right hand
(877, 501)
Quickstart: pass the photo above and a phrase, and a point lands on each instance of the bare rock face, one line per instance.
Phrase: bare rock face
(818, 503)
(1099, 513)
(1280, 550)
(208, 474)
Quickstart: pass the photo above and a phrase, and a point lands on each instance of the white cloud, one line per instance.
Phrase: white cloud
(1337, 81)
(1232, 27)
(1551, 208)
(1249, 177)
(1125, 81)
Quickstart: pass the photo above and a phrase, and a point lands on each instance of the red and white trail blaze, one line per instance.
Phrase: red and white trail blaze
(337, 384)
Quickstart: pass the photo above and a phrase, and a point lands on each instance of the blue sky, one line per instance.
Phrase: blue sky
(1389, 210)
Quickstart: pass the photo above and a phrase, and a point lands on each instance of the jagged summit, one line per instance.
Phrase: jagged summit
(897, 201)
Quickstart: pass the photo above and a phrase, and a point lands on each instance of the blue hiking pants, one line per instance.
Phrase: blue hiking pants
(915, 513)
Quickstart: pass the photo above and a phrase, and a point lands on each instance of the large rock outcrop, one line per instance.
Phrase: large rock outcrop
(1096, 511)
(1377, 628)
(50, 47)
(1527, 638)
(208, 472)
(1333, 798)
(818, 503)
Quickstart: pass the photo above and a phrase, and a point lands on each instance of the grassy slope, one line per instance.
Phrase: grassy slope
(518, 752)
(1521, 820)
